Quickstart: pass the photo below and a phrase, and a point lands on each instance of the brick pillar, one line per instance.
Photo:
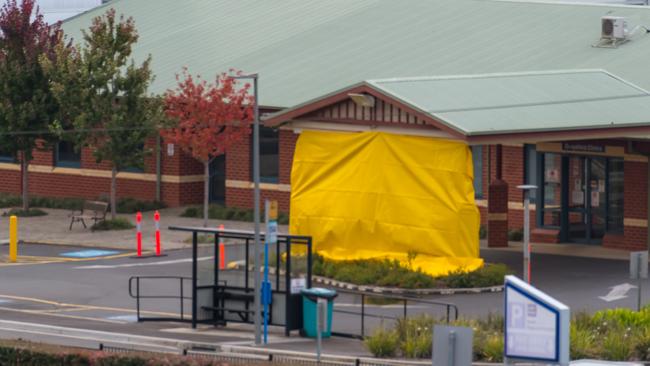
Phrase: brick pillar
(498, 207)
(498, 214)
(635, 208)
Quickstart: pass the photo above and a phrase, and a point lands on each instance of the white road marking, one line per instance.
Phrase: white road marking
(393, 306)
(127, 265)
(617, 292)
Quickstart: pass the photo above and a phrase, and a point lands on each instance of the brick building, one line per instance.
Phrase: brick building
(592, 172)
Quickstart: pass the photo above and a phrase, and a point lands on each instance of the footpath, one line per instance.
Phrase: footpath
(53, 229)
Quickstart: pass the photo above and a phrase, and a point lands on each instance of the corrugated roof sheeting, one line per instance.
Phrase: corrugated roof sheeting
(628, 112)
(305, 48)
(518, 102)
(488, 91)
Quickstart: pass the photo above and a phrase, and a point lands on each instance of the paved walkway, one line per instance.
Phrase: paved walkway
(53, 229)
(565, 249)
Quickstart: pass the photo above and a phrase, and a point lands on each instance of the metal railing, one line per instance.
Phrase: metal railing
(450, 310)
(139, 297)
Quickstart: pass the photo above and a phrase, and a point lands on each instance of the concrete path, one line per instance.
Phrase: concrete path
(53, 229)
(565, 249)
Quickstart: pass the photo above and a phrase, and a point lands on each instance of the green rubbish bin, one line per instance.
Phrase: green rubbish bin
(310, 298)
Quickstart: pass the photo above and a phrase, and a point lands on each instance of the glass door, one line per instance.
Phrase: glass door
(577, 206)
(597, 199)
(587, 199)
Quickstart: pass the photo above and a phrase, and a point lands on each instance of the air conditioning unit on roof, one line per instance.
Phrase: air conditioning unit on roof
(613, 28)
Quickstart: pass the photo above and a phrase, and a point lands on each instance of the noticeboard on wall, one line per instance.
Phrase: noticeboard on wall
(536, 325)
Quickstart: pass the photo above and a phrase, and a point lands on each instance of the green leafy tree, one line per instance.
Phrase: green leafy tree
(103, 95)
(27, 105)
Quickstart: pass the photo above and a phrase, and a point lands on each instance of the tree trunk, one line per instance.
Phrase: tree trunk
(113, 193)
(24, 165)
(206, 191)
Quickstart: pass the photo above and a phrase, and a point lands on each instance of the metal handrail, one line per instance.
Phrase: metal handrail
(137, 296)
(404, 299)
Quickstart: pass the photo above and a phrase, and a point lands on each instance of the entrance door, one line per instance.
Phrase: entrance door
(218, 179)
(587, 201)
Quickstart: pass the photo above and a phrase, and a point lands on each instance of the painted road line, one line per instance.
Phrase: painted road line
(29, 260)
(391, 306)
(124, 318)
(88, 307)
(143, 264)
(59, 315)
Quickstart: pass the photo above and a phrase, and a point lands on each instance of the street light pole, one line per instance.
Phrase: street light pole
(257, 280)
(527, 188)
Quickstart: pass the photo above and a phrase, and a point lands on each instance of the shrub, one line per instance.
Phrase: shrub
(416, 334)
(60, 203)
(23, 353)
(492, 350)
(642, 345)
(488, 275)
(625, 318)
(219, 212)
(383, 343)
(22, 213)
(119, 223)
(516, 235)
(582, 343)
(131, 205)
(616, 346)
(391, 273)
(7, 200)
(380, 272)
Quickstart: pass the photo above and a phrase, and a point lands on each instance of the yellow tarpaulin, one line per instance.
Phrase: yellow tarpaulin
(372, 195)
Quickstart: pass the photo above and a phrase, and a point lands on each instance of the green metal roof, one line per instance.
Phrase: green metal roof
(303, 49)
(518, 102)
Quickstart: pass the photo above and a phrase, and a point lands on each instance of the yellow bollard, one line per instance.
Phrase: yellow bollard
(13, 239)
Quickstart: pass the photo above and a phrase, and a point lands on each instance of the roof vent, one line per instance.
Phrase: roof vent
(613, 32)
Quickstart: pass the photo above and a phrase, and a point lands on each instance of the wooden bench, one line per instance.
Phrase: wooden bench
(91, 210)
(242, 313)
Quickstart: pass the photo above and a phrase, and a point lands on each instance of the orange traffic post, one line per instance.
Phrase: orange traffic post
(156, 218)
(222, 251)
(138, 234)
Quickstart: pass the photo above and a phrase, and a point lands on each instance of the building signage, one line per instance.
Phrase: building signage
(571, 146)
(536, 325)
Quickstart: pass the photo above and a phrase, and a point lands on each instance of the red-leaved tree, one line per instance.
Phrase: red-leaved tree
(207, 119)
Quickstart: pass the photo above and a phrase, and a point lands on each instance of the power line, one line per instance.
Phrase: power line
(83, 130)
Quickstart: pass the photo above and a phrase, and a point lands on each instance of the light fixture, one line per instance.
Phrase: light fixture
(363, 100)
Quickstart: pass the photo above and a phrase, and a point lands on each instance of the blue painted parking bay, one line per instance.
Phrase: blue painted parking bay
(89, 253)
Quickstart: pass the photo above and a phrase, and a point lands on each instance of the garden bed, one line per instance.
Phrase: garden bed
(390, 273)
(613, 334)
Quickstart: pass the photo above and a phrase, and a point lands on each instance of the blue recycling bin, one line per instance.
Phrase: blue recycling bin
(310, 298)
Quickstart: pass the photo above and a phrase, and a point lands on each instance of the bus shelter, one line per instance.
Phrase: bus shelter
(222, 278)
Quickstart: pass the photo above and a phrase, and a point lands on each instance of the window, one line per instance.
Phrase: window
(136, 168)
(530, 169)
(269, 155)
(5, 155)
(66, 156)
(551, 190)
(477, 160)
